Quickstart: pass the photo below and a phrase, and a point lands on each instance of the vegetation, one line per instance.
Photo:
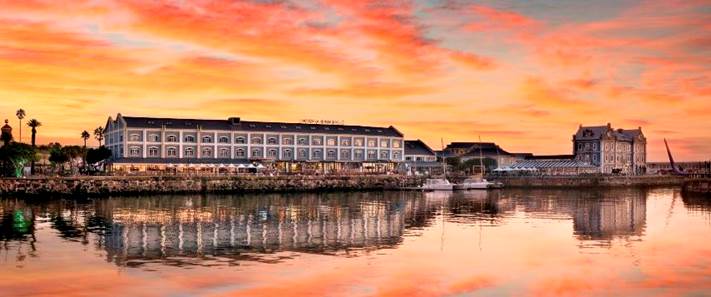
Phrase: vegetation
(469, 166)
(33, 123)
(99, 135)
(20, 115)
(94, 156)
(14, 157)
(85, 136)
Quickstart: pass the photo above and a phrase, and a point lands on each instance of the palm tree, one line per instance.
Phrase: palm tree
(99, 134)
(85, 135)
(33, 123)
(20, 115)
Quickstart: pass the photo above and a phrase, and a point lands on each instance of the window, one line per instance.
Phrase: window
(358, 154)
(302, 141)
(207, 152)
(256, 153)
(240, 153)
(172, 152)
(303, 154)
(134, 137)
(372, 155)
(240, 140)
(331, 154)
(172, 138)
(272, 153)
(358, 142)
(331, 142)
(189, 152)
(580, 146)
(384, 143)
(224, 153)
(384, 155)
(256, 140)
(397, 156)
(345, 154)
(153, 152)
(207, 139)
(396, 143)
(287, 154)
(371, 143)
(288, 140)
(345, 142)
(134, 151)
(272, 140)
(189, 138)
(224, 139)
(316, 141)
(155, 138)
(316, 154)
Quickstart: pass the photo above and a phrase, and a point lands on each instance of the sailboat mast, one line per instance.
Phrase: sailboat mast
(481, 158)
(444, 164)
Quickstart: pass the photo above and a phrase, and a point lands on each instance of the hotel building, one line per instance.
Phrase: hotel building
(611, 150)
(146, 144)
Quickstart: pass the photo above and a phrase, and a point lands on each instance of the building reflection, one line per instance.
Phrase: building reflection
(175, 229)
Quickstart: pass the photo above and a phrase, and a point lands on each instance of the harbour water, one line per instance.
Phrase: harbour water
(613, 242)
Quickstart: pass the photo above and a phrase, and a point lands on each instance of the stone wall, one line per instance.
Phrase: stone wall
(589, 181)
(116, 185)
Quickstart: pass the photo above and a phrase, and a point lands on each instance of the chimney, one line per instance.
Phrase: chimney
(234, 120)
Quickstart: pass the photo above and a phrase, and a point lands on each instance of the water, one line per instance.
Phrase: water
(627, 242)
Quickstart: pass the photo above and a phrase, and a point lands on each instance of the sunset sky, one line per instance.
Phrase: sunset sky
(524, 74)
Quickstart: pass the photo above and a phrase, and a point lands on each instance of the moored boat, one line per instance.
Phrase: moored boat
(437, 184)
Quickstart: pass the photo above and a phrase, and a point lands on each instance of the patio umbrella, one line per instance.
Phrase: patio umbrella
(260, 166)
(241, 166)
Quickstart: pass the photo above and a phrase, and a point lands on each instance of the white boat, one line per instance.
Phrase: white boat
(477, 184)
(437, 184)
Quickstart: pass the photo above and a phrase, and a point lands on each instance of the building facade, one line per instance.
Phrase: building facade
(611, 150)
(288, 146)
(474, 150)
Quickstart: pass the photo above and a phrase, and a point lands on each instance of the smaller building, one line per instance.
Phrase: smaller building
(612, 150)
(466, 151)
(420, 159)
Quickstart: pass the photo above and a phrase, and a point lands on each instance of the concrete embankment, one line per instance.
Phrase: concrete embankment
(589, 181)
(700, 186)
(130, 185)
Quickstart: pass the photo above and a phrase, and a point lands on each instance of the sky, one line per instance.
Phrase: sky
(524, 74)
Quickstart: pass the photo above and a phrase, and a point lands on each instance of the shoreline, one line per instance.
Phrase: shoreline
(101, 186)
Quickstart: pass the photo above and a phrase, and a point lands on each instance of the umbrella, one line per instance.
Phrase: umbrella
(251, 166)
(231, 166)
(260, 166)
(241, 166)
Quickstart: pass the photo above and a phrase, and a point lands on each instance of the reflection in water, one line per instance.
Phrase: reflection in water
(175, 228)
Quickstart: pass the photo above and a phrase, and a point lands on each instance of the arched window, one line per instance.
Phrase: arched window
(316, 154)
(331, 142)
(240, 140)
(288, 140)
(153, 151)
(272, 153)
(331, 154)
(240, 153)
(256, 153)
(272, 140)
(207, 152)
(134, 151)
(155, 138)
(302, 141)
(207, 139)
(384, 155)
(172, 138)
(287, 154)
(189, 152)
(134, 137)
(172, 152)
(189, 138)
(256, 140)
(224, 153)
(224, 139)
(303, 154)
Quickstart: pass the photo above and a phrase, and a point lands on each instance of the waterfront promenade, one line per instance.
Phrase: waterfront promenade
(135, 185)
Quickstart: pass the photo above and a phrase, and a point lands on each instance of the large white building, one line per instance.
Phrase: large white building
(143, 143)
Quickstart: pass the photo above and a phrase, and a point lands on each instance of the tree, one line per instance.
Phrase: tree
(14, 157)
(20, 115)
(99, 134)
(94, 156)
(33, 123)
(57, 155)
(85, 136)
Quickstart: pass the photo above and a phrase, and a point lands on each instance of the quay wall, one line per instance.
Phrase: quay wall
(130, 185)
(698, 186)
(589, 181)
